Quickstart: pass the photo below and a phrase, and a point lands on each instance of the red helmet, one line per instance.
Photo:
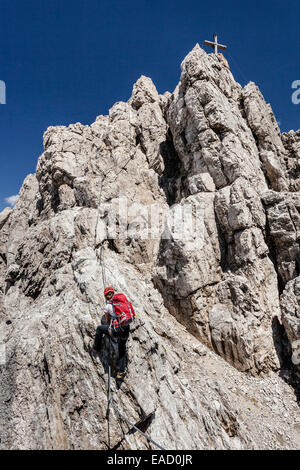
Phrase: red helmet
(108, 289)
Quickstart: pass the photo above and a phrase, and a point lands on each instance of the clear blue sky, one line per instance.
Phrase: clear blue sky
(65, 61)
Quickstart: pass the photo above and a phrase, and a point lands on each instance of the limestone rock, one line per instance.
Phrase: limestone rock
(4, 216)
(284, 228)
(187, 202)
(291, 142)
(290, 305)
(265, 129)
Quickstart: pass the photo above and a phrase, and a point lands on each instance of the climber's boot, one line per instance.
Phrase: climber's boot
(120, 375)
(95, 351)
(121, 369)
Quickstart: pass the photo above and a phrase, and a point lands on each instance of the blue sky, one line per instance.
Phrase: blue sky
(66, 61)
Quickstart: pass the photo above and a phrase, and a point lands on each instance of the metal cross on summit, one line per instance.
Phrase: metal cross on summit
(215, 44)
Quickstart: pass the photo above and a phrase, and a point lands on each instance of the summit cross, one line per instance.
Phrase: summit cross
(215, 44)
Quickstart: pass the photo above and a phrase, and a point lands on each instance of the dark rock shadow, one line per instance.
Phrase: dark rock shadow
(8, 389)
(168, 180)
(8, 285)
(288, 371)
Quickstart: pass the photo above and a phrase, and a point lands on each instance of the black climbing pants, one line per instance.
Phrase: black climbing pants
(101, 330)
(120, 334)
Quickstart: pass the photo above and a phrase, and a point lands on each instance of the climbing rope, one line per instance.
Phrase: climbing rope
(110, 402)
(108, 383)
(101, 255)
(110, 398)
(134, 427)
(238, 67)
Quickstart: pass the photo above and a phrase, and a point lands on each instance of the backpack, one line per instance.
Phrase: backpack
(123, 310)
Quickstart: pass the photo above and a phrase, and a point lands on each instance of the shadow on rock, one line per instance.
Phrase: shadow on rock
(288, 371)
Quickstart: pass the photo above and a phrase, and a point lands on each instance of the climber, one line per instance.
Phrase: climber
(119, 313)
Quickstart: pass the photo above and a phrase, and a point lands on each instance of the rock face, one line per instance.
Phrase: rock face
(188, 203)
